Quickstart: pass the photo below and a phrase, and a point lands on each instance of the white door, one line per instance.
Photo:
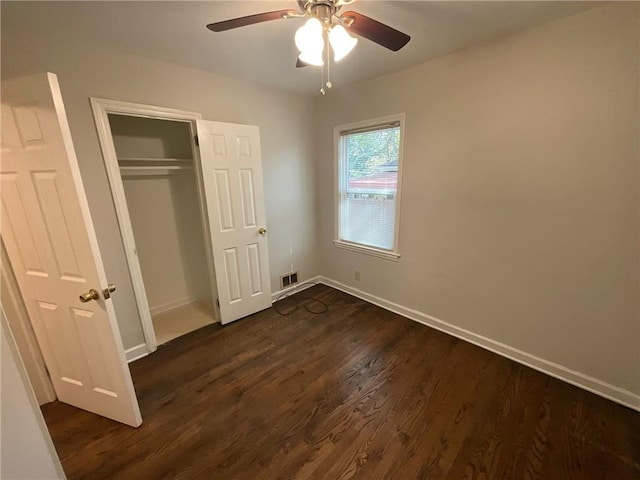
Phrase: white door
(49, 236)
(232, 176)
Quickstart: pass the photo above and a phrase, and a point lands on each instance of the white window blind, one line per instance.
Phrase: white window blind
(369, 160)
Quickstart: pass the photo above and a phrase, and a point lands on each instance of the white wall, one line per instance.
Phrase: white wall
(520, 206)
(166, 224)
(26, 450)
(285, 122)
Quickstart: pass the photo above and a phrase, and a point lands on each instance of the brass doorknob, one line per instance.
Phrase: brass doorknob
(92, 294)
(262, 231)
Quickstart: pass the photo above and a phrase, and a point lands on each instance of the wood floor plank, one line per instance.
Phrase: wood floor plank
(355, 393)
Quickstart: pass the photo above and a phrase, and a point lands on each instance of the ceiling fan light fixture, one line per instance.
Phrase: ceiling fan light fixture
(341, 42)
(326, 23)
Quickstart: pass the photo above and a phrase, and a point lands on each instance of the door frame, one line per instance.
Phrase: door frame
(19, 323)
(101, 108)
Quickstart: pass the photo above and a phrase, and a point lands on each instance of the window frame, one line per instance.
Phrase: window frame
(338, 167)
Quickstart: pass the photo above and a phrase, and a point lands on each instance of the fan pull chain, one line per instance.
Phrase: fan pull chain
(328, 84)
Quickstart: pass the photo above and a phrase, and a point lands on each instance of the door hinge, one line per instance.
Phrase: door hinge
(197, 140)
(218, 302)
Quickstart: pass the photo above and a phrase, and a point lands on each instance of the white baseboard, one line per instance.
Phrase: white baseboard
(594, 385)
(137, 352)
(165, 307)
(298, 287)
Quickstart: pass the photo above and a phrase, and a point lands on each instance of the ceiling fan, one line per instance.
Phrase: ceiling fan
(324, 19)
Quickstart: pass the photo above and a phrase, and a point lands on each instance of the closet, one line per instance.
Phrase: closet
(156, 164)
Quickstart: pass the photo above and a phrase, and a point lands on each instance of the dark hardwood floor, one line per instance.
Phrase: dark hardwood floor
(357, 392)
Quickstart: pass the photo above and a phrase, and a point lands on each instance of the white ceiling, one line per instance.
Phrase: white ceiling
(175, 31)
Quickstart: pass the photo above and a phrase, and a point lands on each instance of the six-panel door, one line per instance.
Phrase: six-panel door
(49, 236)
(232, 176)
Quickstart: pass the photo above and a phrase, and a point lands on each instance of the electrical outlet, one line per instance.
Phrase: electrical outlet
(294, 278)
(356, 275)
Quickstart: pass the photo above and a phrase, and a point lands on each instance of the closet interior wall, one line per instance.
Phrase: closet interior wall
(156, 165)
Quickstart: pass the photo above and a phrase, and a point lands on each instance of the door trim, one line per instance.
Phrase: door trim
(101, 109)
(20, 325)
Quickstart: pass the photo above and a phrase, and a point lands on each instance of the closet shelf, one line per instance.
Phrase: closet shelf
(149, 166)
(154, 170)
(154, 159)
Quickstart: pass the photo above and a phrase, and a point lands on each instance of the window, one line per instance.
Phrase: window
(369, 158)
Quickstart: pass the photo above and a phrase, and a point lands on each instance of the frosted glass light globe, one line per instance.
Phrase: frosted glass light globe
(341, 42)
(309, 36)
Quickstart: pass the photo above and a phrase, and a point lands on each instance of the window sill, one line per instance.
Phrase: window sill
(375, 252)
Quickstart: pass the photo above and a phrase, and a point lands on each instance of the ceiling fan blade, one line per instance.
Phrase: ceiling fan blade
(300, 63)
(375, 31)
(248, 20)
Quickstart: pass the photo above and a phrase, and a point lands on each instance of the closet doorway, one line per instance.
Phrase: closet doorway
(156, 182)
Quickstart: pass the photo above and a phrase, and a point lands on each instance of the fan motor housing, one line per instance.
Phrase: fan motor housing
(323, 10)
